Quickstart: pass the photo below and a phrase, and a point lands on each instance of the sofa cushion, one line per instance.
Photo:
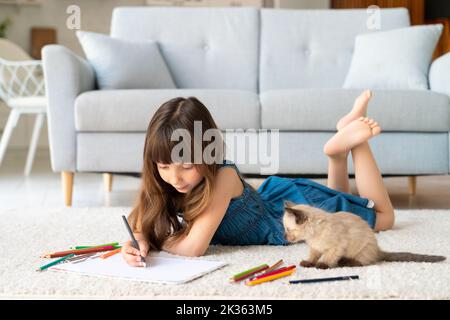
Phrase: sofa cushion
(395, 59)
(439, 74)
(313, 48)
(212, 48)
(131, 110)
(320, 109)
(123, 64)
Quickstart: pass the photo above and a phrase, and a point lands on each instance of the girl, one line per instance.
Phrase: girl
(183, 207)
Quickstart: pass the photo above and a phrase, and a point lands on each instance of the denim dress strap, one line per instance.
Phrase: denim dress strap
(247, 221)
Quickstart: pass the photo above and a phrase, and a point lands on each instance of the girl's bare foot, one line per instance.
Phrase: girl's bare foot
(353, 134)
(359, 110)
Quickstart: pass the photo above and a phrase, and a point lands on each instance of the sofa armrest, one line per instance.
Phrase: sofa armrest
(66, 76)
(439, 76)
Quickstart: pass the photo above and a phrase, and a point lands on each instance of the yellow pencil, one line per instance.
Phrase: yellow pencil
(270, 278)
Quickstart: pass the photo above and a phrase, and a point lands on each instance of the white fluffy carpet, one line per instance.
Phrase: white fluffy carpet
(28, 233)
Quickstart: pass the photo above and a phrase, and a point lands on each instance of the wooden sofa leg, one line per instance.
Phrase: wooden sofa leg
(67, 184)
(107, 180)
(412, 180)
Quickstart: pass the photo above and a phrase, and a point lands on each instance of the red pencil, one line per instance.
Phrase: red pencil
(276, 271)
(78, 252)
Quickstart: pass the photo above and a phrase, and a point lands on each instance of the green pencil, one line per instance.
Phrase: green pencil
(97, 246)
(55, 262)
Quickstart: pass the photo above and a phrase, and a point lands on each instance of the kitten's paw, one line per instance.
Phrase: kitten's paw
(348, 262)
(307, 264)
(322, 265)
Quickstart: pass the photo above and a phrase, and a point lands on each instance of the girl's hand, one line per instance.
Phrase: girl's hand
(131, 255)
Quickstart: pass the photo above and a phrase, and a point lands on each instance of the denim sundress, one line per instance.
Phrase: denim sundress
(255, 217)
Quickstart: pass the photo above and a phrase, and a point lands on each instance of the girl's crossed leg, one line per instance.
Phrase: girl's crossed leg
(354, 130)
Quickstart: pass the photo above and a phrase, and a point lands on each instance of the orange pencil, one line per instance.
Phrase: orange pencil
(111, 253)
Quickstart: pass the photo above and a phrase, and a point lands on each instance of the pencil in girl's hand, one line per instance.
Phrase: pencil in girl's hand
(133, 239)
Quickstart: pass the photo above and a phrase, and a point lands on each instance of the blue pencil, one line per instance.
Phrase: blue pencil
(325, 279)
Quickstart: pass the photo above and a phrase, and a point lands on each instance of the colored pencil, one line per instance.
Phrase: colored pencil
(276, 265)
(97, 246)
(110, 253)
(271, 278)
(55, 262)
(80, 257)
(324, 279)
(94, 256)
(270, 269)
(276, 271)
(78, 252)
(248, 273)
(133, 240)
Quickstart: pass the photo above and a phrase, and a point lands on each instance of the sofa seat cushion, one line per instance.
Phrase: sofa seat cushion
(132, 110)
(320, 109)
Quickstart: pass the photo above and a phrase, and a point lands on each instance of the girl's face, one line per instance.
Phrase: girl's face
(182, 176)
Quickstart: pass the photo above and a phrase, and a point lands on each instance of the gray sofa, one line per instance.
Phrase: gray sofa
(255, 69)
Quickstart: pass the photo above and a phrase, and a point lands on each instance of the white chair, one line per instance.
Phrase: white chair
(22, 89)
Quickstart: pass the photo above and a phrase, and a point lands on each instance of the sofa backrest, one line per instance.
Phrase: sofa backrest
(313, 48)
(211, 48)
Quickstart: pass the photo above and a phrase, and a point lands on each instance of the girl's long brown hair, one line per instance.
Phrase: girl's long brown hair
(155, 213)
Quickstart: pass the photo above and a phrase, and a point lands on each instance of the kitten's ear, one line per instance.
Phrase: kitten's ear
(299, 214)
(288, 204)
(290, 210)
(288, 207)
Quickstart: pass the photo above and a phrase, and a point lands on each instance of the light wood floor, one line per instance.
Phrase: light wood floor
(43, 187)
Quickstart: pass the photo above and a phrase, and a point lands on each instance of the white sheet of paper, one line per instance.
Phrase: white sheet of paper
(161, 268)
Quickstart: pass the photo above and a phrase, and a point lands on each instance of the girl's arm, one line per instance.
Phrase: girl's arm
(205, 225)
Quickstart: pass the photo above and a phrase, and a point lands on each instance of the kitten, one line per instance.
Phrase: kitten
(339, 239)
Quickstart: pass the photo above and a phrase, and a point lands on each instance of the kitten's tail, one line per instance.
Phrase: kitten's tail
(408, 257)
